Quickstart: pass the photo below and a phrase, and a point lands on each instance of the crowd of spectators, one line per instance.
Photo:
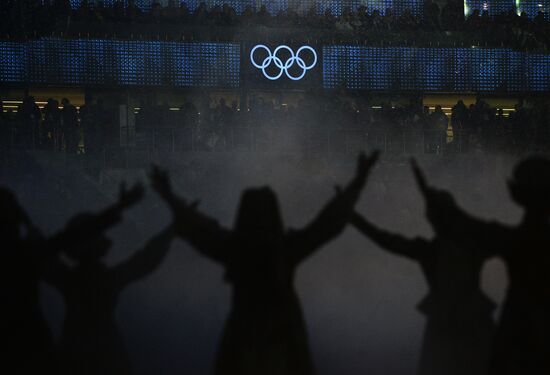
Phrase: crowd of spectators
(211, 125)
(57, 127)
(509, 28)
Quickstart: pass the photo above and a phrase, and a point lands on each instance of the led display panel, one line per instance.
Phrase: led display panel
(434, 69)
(336, 7)
(126, 63)
(493, 7)
(79, 62)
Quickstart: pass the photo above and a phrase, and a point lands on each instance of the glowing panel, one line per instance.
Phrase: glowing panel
(488, 74)
(281, 65)
(435, 69)
(432, 69)
(120, 63)
(336, 7)
(12, 62)
(491, 6)
(538, 72)
(532, 7)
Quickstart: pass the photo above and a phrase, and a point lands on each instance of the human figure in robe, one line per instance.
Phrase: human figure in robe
(29, 347)
(91, 343)
(459, 325)
(522, 340)
(265, 331)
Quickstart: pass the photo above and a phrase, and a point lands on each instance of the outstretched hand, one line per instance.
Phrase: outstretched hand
(419, 177)
(434, 197)
(161, 182)
(129, 197)
(364, 166)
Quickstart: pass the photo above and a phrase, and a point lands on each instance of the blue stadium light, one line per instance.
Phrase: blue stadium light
(98, 62)
(493, 7)
(435, 69)
(120, 63)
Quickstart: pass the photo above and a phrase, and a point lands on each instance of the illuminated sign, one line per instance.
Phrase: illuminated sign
(275, 61)
(127, 63)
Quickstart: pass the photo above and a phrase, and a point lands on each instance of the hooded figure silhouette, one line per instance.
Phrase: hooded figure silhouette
(522, 341)
(90, 341)
(265, 331)
(29, 346)
(459, 328)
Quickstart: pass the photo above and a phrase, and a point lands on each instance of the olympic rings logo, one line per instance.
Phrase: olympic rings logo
(283, 67)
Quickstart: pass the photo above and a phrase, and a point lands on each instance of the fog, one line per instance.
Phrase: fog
(359, 302)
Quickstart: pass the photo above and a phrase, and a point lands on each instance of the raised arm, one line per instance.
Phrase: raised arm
(333, 217)
(449, 220)
(96, 224)
(417, 248)
(56, 272)
(203, 232)
(144, 261)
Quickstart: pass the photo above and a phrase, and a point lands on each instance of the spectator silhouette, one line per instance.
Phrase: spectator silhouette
(28, 342)
(265, 332)
(52, 123)
(28, 115)
(69, 115)
(522, 341)
(459, 329)
(90, 341)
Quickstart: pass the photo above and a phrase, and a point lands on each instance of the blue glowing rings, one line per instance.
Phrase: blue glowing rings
(283, 67)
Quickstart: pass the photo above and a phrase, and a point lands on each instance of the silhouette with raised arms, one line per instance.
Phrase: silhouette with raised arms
(90, 340)
(27, 338)
(265, 331)
(522, 340)
(459, 328)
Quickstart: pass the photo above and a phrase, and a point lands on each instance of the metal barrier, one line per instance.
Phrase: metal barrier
(156, 143)
(303, 140)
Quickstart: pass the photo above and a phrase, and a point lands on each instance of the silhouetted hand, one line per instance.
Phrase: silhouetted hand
(161, 182)
(127, 198)
(335, 214)
(435, 198)
(32, 230)
(364, 165)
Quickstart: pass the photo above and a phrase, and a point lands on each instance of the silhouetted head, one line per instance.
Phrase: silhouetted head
(11, 215)
(438, 215)
(530, 184)
(259, 216)
(92, 249)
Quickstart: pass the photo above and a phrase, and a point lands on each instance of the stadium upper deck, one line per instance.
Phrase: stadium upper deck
(369, 45)
(123, 63)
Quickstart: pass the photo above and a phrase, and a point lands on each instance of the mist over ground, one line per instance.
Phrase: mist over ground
(359, 302)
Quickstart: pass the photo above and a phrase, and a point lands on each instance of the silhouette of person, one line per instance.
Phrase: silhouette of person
(265, 331)
(459, 329)
(522, 341)
(28, 343)
(90, 341)
(71, 129)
